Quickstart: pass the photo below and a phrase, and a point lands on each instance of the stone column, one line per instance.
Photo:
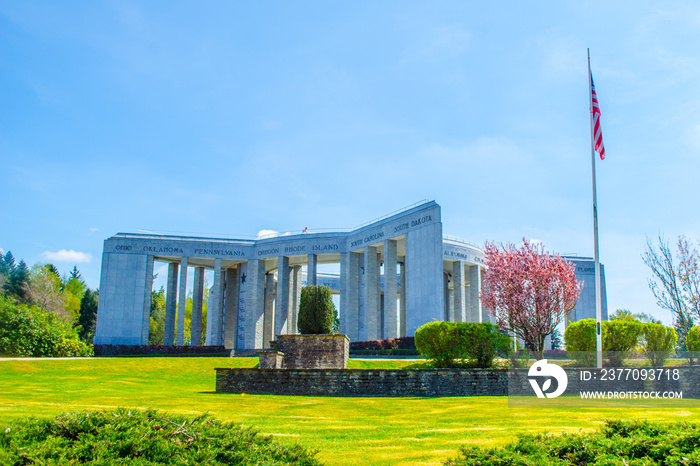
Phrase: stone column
(390, 288)
(282, 296)
(448, 317)
(361, 298)
(170, 305)
(255, 304)
(147, 289)
(231, 308)
(458, 291)
(269, 321)
(349, 294)
(197, 298)
(344, 311)
(295, 297)
(371, 294)
(485, 316)
(402, 299)
(181, 303)
(424, 257)
(474, 287)
(311, 269)
(214, 317)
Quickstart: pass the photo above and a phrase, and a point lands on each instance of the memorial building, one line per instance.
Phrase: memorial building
(396, 274)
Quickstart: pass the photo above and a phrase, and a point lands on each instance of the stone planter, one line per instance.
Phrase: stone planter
(270, 359)
(313, 351)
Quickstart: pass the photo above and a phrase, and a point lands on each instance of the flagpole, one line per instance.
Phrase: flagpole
(598, 307)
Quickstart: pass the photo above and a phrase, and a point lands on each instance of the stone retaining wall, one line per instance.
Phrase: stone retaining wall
(421, 382)
(313, 351)
(360, 382)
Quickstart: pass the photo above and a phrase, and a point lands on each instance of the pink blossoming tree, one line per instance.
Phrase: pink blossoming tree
(528, 291)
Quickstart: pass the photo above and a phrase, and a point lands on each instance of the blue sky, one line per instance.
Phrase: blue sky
(233, 117)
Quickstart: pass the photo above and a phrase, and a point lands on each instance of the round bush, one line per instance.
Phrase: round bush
(659, 342)
(619, 337)
(315, 311)
(445, 342)
(692, 339)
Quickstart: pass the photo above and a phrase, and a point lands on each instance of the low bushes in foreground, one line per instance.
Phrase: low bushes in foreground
(617, 443)
(142, 437)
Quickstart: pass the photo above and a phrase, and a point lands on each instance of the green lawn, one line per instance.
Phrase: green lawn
(350, 431)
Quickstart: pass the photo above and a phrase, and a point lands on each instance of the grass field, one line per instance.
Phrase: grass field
(346, 431)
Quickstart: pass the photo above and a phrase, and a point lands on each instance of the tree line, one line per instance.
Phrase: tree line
(41, 301)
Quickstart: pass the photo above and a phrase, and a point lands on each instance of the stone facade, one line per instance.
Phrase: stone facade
(313, 351)
(395, 274)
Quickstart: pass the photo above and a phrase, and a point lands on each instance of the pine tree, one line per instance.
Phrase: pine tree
(88, 314)
(17, 285)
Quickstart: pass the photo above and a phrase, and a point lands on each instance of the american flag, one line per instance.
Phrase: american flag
(597, 132)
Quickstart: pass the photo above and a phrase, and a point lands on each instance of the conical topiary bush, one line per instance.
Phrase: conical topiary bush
(315, 311)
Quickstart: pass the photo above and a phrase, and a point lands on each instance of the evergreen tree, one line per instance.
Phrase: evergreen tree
(88, 315)
(4, 268)
(7, 265)
(52, 268)
(9, 261)
(17, 284)
(315, 311)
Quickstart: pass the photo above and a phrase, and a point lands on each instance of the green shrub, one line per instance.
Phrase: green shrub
(316, 311)
(618, 336)
(580, 341)
(31, 331)
(617, 443)
(483, 342)
(446, 342)
(144, 438)
(439, 342)
(659, 342)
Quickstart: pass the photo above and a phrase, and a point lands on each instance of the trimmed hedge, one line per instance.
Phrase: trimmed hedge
(386, 352)
(617, 443)
(403, 343)
(619, 338)
(316, 311)
(158, 350)
(143, 438)
(445, 342)
(659, 342)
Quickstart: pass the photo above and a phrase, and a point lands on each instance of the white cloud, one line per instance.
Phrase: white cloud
(262, 234)
(67, 256)
(94, 229)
